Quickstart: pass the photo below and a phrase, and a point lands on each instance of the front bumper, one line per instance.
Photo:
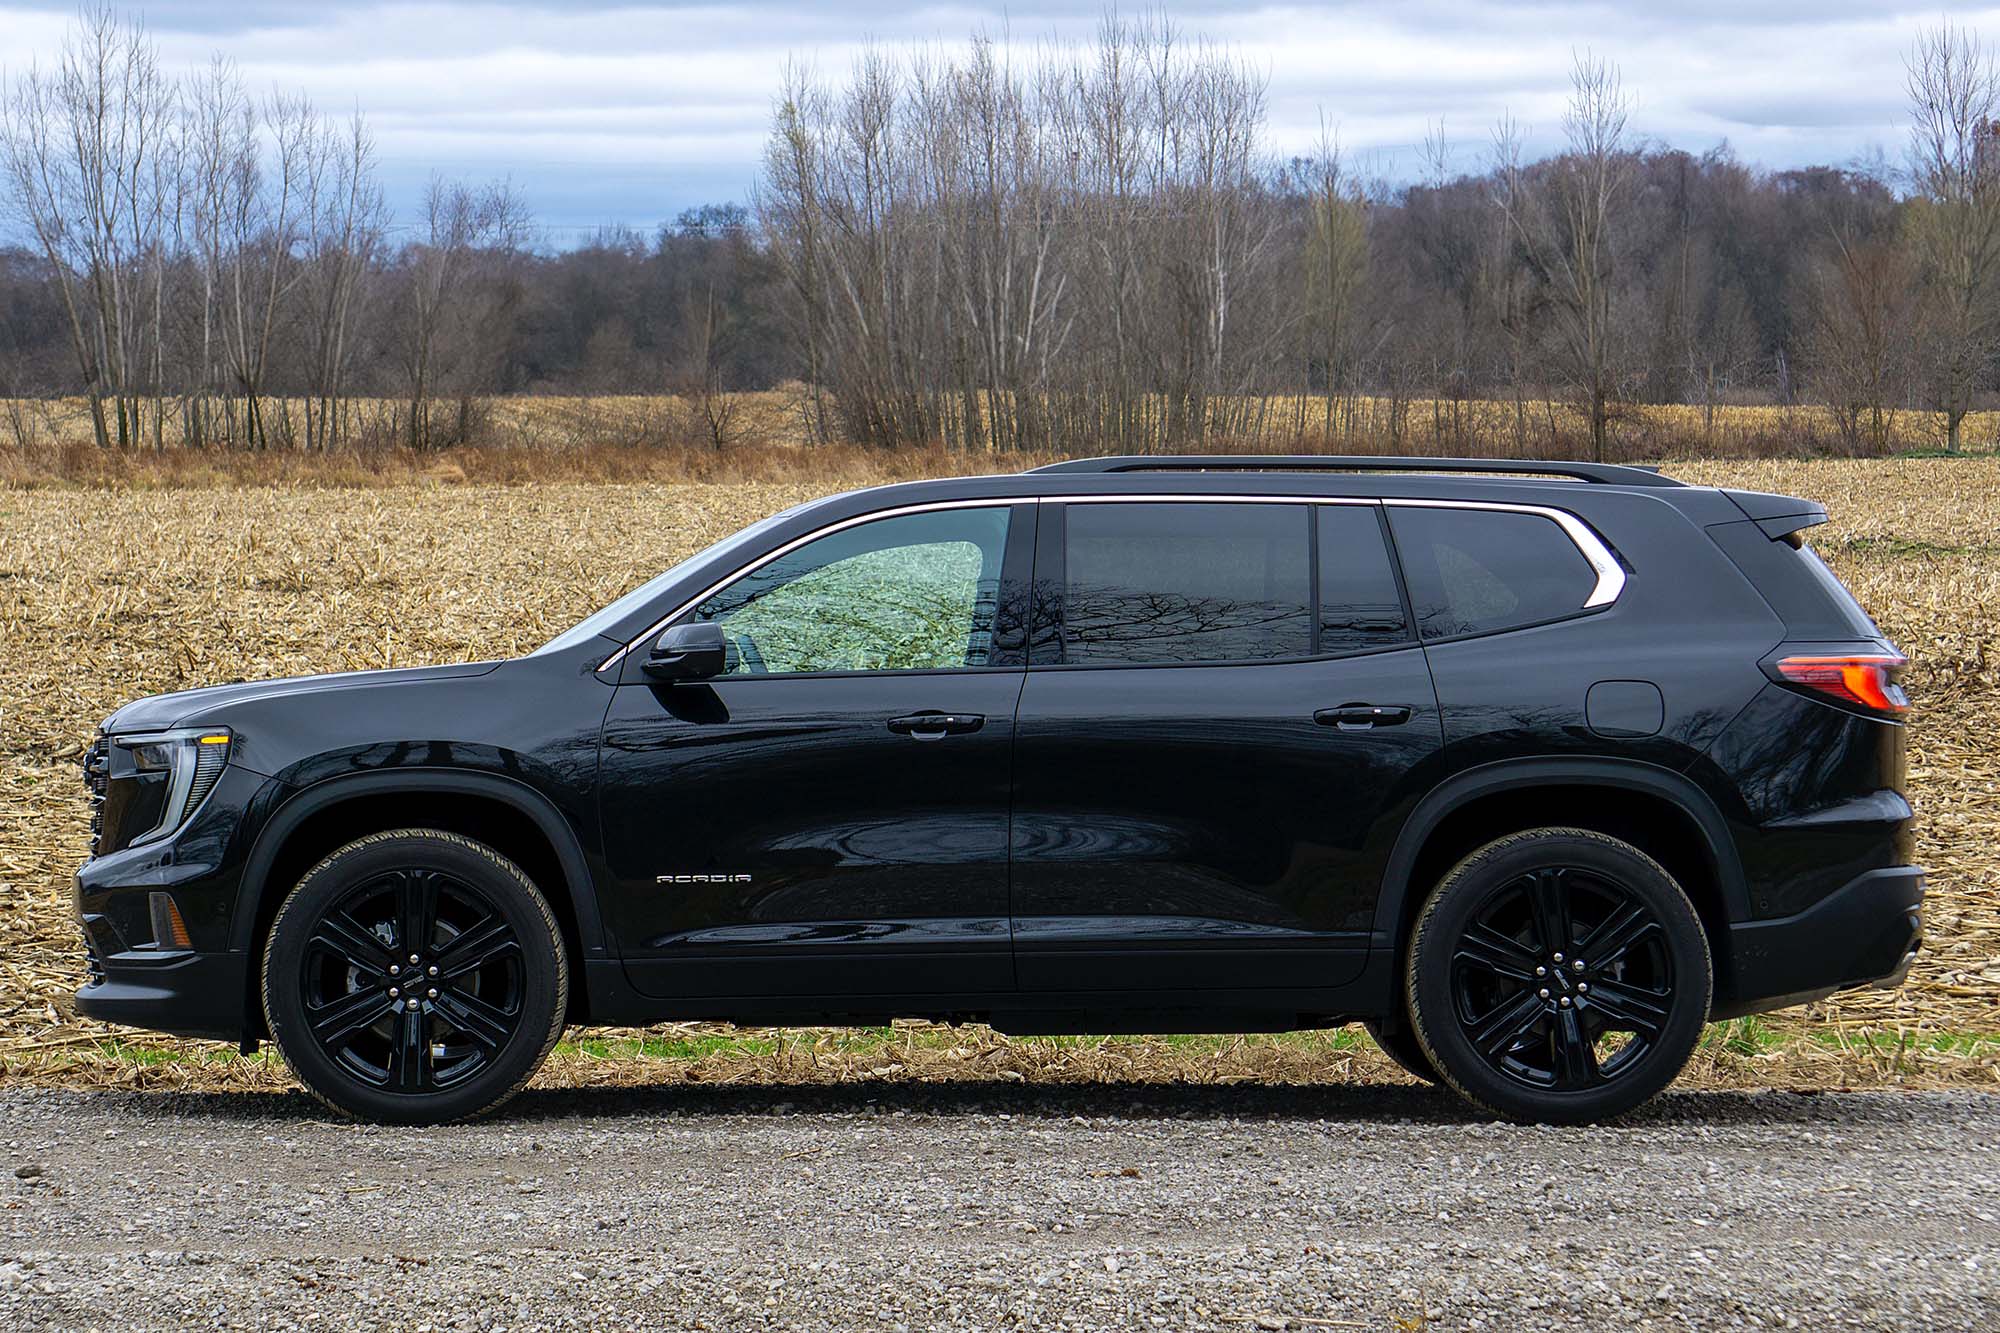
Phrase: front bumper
(180, 992)
(201, 990)
(1865, 933)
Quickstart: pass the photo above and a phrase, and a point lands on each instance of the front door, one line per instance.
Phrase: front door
(1224, 703)
(829, 817)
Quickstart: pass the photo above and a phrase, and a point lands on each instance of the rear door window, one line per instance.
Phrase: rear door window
(1186, 582)
(1474, 571)
(1360, 606)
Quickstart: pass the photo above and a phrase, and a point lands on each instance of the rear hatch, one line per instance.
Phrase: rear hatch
(1832, 649)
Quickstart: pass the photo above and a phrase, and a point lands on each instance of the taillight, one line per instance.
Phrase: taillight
(1867, 680)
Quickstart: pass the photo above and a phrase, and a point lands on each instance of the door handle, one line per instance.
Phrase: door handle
(931, 726)
(1362, 717)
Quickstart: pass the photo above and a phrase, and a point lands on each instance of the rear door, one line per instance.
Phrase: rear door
(1225, 702)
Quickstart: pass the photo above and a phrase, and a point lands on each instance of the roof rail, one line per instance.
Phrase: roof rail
(1612, 474)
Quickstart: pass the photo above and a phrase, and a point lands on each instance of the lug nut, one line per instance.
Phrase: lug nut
(1565, 1001)
(1543, 993)
(1559, 958)
(393, 992)
(432, 993)
(1541, 971)
(1583, 988)
(1577, 966)
(395, 969)
(414, 958)
(432, 969)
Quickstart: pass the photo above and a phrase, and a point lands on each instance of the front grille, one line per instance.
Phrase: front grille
(96, 777)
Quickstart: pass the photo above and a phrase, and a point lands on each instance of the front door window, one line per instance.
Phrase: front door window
(917, 592)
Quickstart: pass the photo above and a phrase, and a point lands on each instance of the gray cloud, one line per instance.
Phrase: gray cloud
(608, 113)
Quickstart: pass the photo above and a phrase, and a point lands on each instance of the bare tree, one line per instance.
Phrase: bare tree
(218, 136)
(448, 296)
(82, 146)
(1563, 217)
(345, 220)
(1858, 319)
(265, 220)
(1083, 249)
(1955, 174)
(1336, 273)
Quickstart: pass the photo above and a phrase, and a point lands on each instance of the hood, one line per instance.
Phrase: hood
(161, 711)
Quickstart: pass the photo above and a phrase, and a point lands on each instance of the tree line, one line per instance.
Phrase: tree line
(1087, 247)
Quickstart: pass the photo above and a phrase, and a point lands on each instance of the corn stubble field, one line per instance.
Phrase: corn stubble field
(111, 593)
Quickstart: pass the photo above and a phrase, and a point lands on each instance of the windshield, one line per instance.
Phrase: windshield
(602, 622)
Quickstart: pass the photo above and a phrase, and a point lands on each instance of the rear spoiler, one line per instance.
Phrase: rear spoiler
(1778, 516)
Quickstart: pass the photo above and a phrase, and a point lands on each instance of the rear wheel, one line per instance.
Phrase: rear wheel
(415, 976)
(1558, 975)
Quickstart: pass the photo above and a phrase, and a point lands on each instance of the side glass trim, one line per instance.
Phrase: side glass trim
(1610, 574)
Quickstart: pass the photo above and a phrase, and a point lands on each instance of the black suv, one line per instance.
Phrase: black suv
(1532, 768)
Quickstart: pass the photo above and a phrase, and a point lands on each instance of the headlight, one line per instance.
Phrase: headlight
(173, 772)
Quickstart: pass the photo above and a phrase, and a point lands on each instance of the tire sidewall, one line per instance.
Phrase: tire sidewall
(509, 892)
(1460, 896)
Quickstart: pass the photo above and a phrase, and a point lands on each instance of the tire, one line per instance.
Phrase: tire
(1515, 1014)
(490, 966)
(1402, 1046)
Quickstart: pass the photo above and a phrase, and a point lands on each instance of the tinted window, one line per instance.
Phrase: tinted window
(1839, 600)
(1359, 606)
(1475, 570)
(911, 593)
(1186, 582)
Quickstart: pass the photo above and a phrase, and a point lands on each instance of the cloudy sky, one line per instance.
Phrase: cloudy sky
(625, 114)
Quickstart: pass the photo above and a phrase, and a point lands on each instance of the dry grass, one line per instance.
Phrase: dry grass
(109, 594)
(661, 438)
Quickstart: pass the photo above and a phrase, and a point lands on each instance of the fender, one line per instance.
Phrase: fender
(515, 794)
(1511, 774)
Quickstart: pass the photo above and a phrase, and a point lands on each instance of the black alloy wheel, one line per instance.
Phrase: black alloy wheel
(1559, 975)
(415, 976)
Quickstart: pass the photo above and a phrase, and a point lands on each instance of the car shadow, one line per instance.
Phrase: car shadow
(1358, 1104)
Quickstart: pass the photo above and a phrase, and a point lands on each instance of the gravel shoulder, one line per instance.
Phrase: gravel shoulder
(997, 1205)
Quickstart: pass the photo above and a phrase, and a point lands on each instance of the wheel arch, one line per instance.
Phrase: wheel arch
(1654, 808)
(510, 816)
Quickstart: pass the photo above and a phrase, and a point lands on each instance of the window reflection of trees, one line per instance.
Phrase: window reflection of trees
(1346, 626)
(1111, 623)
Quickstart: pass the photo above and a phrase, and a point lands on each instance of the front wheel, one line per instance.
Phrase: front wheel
(1558, 975)
(415, 976)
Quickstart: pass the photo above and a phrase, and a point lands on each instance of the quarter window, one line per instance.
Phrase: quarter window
(912, 593)
(1196, 582)
(1472, 571)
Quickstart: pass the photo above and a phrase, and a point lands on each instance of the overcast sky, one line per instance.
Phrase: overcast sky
(625, 114)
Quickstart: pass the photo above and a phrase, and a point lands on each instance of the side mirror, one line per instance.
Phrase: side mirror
(688, 652)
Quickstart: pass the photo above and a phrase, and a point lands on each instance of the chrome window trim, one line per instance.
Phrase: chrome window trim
(1610, 575)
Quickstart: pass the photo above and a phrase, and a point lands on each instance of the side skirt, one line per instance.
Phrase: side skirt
(1371, 994)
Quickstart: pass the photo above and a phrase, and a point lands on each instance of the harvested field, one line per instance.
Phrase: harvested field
(110, 594)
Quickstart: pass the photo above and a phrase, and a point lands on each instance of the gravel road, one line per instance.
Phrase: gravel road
(1002, 1206)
